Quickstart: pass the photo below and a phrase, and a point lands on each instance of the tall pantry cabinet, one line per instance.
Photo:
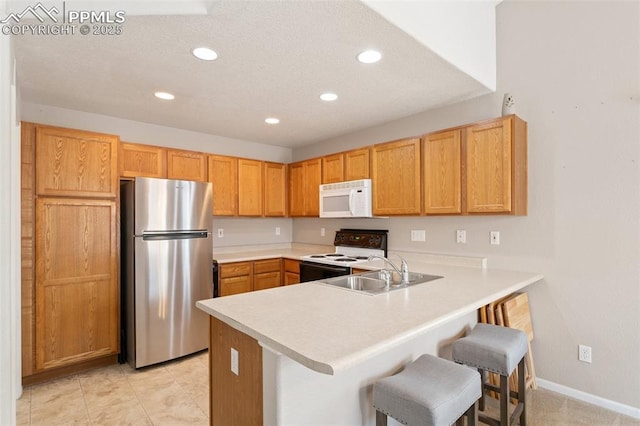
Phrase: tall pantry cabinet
(70, 218)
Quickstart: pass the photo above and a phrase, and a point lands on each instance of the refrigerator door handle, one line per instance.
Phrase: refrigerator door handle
(173, 235)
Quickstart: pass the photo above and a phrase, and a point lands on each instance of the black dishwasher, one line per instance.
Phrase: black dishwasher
(215, 278)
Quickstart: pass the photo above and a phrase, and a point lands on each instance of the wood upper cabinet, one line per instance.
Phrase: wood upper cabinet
(333, 168)
(250, 187)
(356, 164)
(142, 160)
(441, 173)
(275, 189)
(395, 173)
(186, 165)
(75, 163)
(496, 166)
(223, 175)
(76, 281)
(350, 165)
(304, 188)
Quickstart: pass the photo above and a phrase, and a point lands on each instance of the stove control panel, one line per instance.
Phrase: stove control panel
(362, 238)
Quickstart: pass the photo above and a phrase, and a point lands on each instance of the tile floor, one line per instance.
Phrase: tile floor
(177, 393)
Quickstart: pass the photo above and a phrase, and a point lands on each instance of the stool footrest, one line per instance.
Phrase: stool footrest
(495, 388)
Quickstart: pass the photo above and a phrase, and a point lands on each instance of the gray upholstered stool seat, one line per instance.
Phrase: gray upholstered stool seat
(499, 350)
(429, 391)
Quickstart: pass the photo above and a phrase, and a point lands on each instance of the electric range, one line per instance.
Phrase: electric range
(352, 246)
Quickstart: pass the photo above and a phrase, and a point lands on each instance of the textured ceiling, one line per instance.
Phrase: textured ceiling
(275, 59)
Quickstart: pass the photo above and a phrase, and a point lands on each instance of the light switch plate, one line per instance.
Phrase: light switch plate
(220, 233)
(461, 236)
(495, 238)
(418, 235)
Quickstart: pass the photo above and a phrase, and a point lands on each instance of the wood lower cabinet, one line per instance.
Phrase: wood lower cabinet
(235, 399)
(395, 177)
(142, 160)
(496, 166)
(267, 274)
(235, 278)
(76, 285)
(241, 277)
(291, 271)
(304, 188)
(75, 163)
(186, 165)
(441, 177)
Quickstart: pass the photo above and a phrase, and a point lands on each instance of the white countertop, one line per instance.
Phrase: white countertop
(295, 251)
(329, 329)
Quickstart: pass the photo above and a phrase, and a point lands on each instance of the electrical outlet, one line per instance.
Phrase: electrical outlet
(322, 232)
(461, 236)
(418, 235)
(277, 230)
(220, 233)
(584, 353)
(495, 238)
(234, 362)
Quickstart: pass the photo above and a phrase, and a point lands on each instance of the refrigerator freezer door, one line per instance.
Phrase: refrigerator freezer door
(169, 280)
(168, 205)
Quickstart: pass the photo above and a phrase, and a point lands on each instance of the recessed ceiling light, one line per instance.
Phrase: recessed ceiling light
(328, 97)
(369, 56)
(164, 95)
(204, 53)
(271, 120)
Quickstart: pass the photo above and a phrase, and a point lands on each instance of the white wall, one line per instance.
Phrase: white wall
(461, 32)
(151, 134)
(574, 70)
(10, 368)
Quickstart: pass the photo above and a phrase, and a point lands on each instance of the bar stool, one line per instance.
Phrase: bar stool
(499, 350)
(429, 391)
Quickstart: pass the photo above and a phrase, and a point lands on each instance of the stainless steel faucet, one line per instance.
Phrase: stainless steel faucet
(404, 267)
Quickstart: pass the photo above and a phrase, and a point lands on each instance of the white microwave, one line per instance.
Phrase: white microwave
(346, 199)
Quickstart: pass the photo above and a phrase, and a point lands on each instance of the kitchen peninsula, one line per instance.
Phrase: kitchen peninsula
(309, 353)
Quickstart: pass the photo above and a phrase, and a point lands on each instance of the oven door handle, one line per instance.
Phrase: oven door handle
(325, 266)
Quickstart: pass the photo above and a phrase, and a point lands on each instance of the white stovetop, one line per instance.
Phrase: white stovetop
(329, 329)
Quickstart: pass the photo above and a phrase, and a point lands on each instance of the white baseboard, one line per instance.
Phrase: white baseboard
(627, 410)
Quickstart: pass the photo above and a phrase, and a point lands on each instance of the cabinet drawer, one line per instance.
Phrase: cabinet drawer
(235, 285)
(235, 269)
(291, 265)
(267, 280)
(270, 265)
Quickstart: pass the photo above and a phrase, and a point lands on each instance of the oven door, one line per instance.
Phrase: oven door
(313, 271)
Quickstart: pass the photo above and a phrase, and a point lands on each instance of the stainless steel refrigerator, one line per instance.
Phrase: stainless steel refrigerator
(166, 267)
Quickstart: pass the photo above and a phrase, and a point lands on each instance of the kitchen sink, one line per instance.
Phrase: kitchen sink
(375, 283)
